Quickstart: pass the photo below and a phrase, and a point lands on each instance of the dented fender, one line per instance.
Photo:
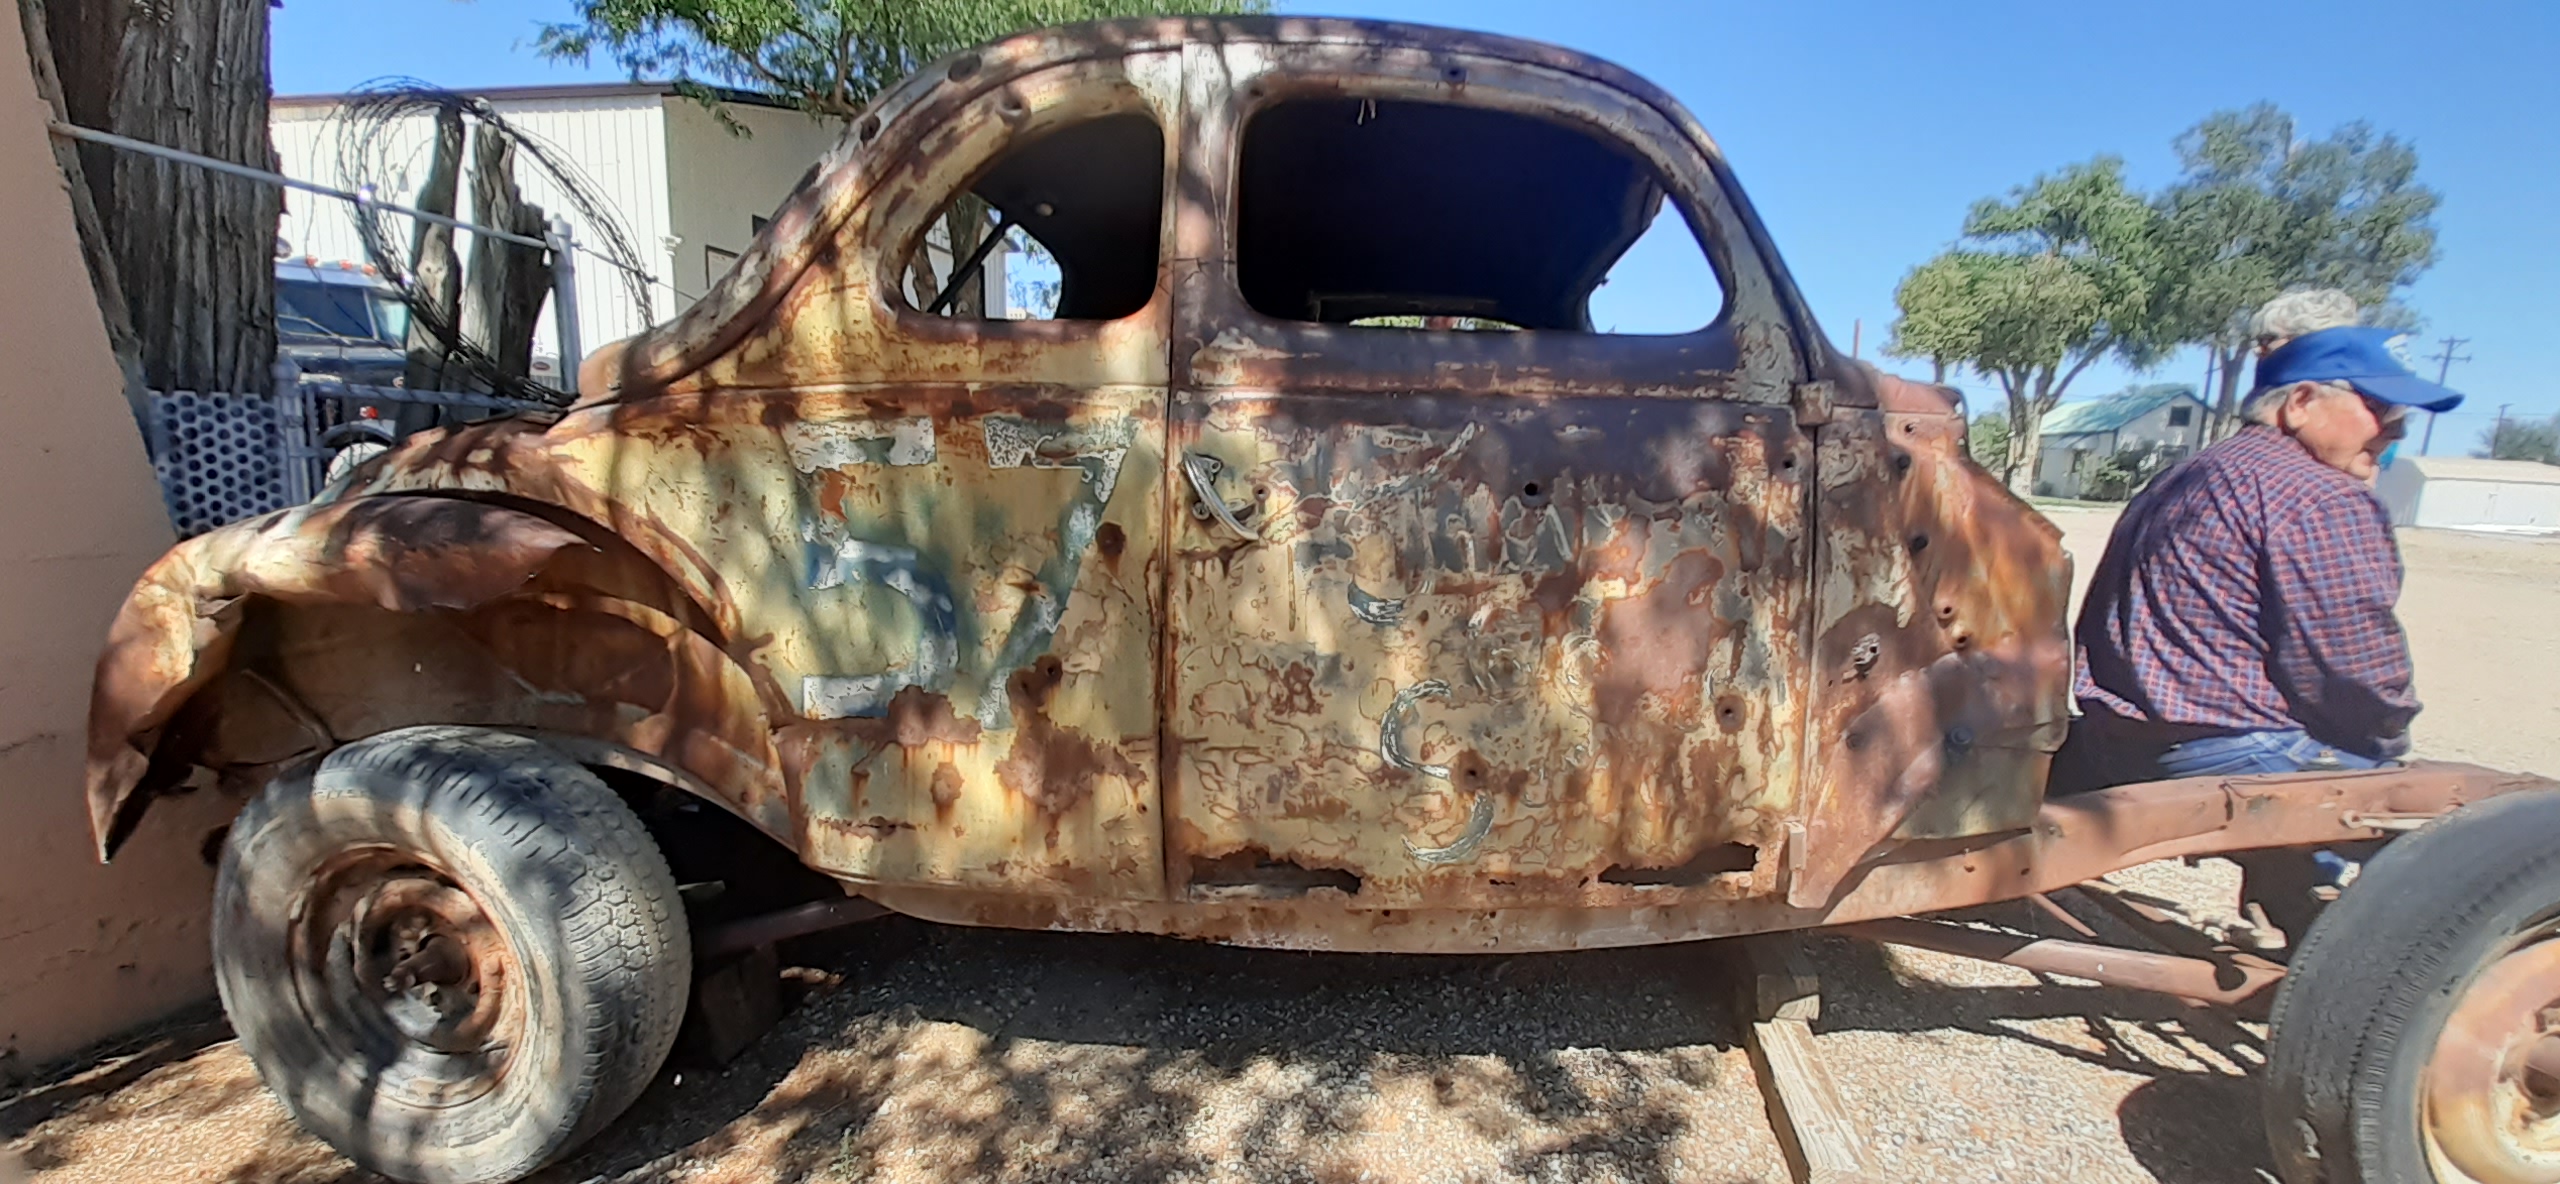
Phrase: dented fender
(562, 656)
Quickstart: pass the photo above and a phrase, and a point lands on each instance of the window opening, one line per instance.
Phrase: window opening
(2178, 416)
(1399, 214)
(324, 309)
(716, 262)
(1064, 226)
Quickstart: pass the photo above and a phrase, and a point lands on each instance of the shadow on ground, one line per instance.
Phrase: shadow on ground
(922, 1053)
(953, 1054)
(2197, 1117)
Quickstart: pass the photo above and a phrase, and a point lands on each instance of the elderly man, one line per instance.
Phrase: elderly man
(2242, 618)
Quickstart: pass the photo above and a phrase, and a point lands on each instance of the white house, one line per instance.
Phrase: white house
(2451, 491)
(2165, 420)
(690, 193)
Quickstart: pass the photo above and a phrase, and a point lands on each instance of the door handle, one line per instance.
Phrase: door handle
(1203, 470)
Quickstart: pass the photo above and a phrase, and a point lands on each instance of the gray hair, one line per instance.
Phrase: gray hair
(2262, 405)
(2300, 311)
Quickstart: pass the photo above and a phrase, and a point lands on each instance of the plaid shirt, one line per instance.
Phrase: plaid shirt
(2251, 588)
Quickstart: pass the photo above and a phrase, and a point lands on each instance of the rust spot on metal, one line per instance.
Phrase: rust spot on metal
(1052, 766)
(917, 717)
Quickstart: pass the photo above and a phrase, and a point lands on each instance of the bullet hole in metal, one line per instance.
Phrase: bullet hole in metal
(1533, 493)
(1919, 543)
(1946, 613)
(869, 127)
(1729, 713)
(1902, 462)
(963, 66)
(1911, 429)
(1788, 464)
(1959, 740)
(1962, 640)
(1863, 655)
(1455, 74)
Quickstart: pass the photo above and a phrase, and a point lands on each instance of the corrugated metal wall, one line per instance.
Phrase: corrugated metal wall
(618, 141)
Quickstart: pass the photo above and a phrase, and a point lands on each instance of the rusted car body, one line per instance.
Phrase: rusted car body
(1198, 619)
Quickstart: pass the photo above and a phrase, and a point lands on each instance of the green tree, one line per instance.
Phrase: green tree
(2523, 439)
(828, 57)
(1987, 438)
(2039, 288)
(2257, 211)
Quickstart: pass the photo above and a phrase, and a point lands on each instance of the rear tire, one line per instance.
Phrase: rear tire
(453, 954)
(2409, 1028)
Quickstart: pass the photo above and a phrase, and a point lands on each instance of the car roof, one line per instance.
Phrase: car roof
(793, 239)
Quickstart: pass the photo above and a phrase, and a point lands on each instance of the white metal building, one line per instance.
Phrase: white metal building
(690, 193)
(2450, 491)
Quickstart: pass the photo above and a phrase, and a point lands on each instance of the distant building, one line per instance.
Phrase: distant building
(2452, 491)
(2163, 422)
(690, 193)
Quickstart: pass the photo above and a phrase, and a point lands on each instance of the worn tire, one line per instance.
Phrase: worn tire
(544, 943)
(2357, 1021)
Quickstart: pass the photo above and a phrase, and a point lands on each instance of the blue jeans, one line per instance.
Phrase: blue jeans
(2257, 752)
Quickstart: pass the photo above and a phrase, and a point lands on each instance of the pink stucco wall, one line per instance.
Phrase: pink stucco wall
(85, 951)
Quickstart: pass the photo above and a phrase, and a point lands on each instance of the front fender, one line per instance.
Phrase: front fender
(498, 594)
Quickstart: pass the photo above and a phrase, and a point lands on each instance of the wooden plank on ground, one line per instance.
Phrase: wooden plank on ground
(1823, 1144)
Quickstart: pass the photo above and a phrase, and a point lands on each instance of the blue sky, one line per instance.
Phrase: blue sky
(1862, 131)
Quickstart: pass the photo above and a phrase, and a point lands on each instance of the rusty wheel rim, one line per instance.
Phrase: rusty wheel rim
(2491, 1104)
(406, 977)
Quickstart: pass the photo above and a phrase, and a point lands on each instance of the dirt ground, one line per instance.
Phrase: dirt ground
(917, 1053)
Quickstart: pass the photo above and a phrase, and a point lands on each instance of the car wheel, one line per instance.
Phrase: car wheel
(2417, 1034)
(453, 954)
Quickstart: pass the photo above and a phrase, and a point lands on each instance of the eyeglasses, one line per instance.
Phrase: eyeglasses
(2384, 413)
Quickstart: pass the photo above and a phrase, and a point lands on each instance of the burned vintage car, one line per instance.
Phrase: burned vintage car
(1316, 576)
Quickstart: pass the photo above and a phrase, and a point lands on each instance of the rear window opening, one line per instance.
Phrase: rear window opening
(1388, 213)
(1063, 226)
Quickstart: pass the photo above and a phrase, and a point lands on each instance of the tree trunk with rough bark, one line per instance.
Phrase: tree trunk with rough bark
(195, 249)
(507, 281)
(2226, 404)
(437, 286)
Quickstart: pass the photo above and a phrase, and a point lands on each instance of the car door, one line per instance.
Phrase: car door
(937, 498)
(1469, 605)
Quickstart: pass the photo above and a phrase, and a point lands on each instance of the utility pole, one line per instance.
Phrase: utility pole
(2445, 360)
(2499, 432)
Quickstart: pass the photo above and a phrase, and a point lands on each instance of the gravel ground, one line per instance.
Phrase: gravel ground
(917, 1053)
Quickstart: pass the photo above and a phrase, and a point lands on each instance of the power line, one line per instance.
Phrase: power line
(2446, 359)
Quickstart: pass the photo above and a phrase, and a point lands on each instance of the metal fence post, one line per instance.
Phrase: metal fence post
(564, 299)
(296, 439)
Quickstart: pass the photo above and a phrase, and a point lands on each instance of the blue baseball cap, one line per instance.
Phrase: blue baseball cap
(2374, 361)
